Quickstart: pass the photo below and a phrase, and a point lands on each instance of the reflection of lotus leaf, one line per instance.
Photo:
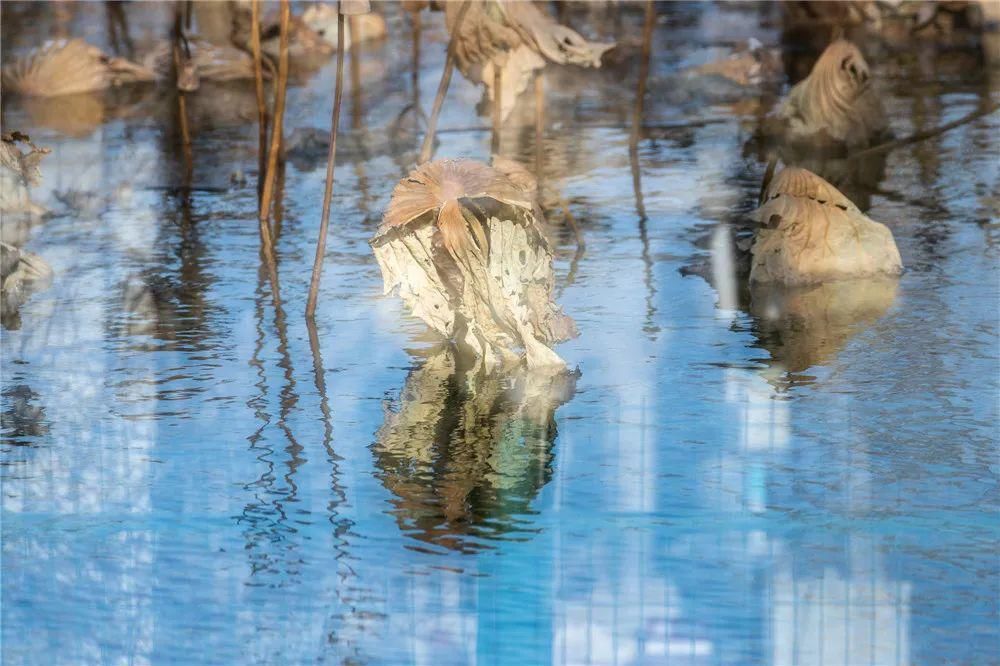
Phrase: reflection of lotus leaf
(807, 326)
(465, 454)
(74, 115)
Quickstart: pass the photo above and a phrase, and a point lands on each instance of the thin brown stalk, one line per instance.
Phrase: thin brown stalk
(497, 109)
(926, 134)
(647, 39)
(182, 118)
(449, 65)
(258, 71)
(539, 125)
(276, 129)
(356, 110)
(417, 24)
(331, 160)
(633, 144)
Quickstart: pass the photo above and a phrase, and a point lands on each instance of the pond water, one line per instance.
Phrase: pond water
(190, 474)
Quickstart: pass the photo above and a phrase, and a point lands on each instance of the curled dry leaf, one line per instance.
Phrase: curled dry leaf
(18, 171)
(462, 244)
(748, 65)
(810, 233)
(322, 18)
(69, 67)
(208, 62)
(836, 101)
(517, 37)
(21, 274)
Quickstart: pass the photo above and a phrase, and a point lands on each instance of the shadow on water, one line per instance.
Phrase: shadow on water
(465, 455)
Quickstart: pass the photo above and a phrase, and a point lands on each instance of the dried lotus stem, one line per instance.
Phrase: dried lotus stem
(258, 72)
(449, 65)
(277, 126)
(331, 159)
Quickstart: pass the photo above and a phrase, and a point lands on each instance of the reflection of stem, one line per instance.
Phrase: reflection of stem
(357, 115)
(320, 379)
(182, 102)
(277, 127)
(574, 263)
(118, 28)
(258, 74)
(539, 125)
(417, 25)
(497, 109)
(258, 404)
(289, 398)
(449, 65)
(356, 110)
(342, 525)
(633, 151)
(927, 134)
(331, 159)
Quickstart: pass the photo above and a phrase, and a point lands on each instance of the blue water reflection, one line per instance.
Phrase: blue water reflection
(191, 474)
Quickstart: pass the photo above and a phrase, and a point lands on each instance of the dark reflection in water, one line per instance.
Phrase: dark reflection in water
(22, 417)
(465, 454)
(807, 326)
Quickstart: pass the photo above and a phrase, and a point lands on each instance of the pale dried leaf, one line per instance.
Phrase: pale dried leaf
(836, 100)
(69, 67)
(812, 233)
(463, 247)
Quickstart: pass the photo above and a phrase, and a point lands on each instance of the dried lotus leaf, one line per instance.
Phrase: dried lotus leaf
(209, 62)
(836, 100)
(466, 253)
(69, 67)
(812, 233)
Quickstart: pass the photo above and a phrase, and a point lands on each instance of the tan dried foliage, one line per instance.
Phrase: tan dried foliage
(439, 185)
(517, 37)
(208, 62)
(462, 244)
(836, 99)
(811, 233)
(69, 67)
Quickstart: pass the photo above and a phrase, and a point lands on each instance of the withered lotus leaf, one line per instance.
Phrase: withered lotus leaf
(461, 243)
(836, 101)
(811, 233)
(69, 67)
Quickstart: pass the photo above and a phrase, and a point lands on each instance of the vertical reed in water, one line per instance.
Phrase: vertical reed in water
(277, 126)
(449, 65)
(633, 144)
(258, 72)
(331, 157)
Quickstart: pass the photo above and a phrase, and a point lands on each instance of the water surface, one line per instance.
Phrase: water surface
(192, 475)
